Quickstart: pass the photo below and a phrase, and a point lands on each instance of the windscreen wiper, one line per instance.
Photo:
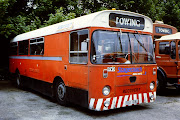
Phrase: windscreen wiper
(139, 41)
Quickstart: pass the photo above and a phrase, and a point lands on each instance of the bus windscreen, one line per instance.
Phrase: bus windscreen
(112, 47)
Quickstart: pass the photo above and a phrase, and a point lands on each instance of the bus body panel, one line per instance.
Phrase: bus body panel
(36, 66)
(77, 76)
(121, 87)
(165, 62)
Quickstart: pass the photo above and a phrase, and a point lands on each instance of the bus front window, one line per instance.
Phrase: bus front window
(110, 47)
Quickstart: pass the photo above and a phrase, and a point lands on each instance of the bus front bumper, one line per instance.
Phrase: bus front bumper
(102, 104)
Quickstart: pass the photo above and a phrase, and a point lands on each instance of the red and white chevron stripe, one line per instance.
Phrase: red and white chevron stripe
(121, 101)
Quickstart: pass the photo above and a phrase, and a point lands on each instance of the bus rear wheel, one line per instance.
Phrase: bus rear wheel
(60, 91)
(18, 80)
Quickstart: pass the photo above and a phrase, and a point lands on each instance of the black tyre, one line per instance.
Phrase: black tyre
(161, 85)
(177, 88)
(18, 80)
(60, 91)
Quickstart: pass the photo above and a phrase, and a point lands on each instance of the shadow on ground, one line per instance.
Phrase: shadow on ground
(10, 86)
(107, 113)
(6, 84)
(171, 92)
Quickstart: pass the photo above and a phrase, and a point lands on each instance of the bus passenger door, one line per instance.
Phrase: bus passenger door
(166, 57)
(77, 69)
(178, 52)
(172, 68)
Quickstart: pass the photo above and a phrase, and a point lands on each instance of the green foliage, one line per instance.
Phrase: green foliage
(172, 13)
(19, 16)
(59, 16)
(17, 25)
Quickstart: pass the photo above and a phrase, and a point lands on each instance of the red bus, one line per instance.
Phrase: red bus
(167, 72)
(101, 61)
(167, 51)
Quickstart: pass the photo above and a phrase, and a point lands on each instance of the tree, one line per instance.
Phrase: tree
(59, 16)
(19, 16)
(172, 13)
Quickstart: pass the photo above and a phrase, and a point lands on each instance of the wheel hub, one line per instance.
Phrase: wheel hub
(61, 91)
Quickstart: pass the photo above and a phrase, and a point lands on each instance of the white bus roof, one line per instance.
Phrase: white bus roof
(170, 37)
(97, 19)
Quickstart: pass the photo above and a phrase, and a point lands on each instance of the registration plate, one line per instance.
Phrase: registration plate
(132, 102)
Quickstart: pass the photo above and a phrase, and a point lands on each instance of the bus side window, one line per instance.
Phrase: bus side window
(23, 47)
(173, 50)
(37, 46)
(164, 48)
(78, 47)
(13, 48)
(179, 48)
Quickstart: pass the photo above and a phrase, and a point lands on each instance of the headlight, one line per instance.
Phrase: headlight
(152, 85)
(106, 90)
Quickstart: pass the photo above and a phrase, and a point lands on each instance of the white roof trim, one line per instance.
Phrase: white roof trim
(97, 19)
(170, 37)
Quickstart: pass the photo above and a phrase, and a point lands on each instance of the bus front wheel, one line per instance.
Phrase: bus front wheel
(61, 93)
(161, 85)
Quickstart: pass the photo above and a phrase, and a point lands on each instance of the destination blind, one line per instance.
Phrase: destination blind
(126, 21)
(163, 30)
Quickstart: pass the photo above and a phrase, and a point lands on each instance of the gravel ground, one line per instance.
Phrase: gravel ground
(27, 104)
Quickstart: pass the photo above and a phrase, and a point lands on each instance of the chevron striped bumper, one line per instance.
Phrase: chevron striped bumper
(102, 104)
